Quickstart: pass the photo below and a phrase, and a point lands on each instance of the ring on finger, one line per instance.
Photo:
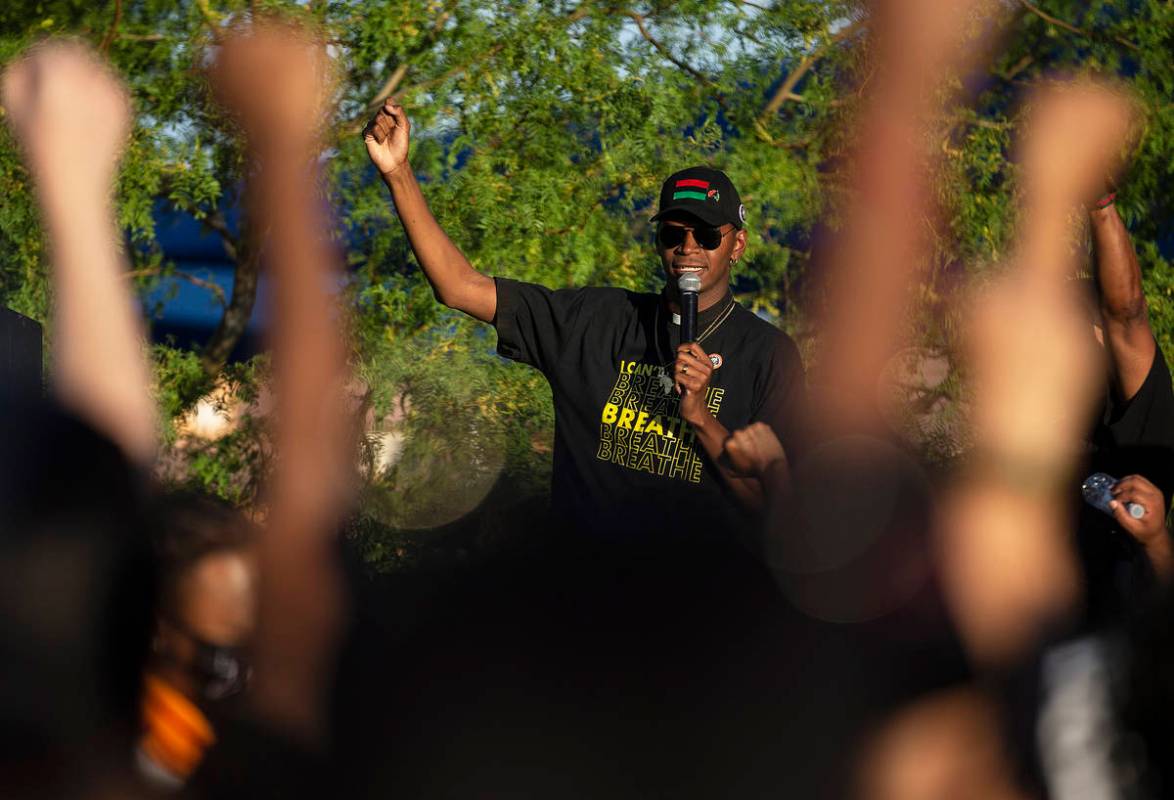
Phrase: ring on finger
(685, 369)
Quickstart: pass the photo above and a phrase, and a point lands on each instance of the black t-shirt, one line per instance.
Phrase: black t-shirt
(1130, 437)
(624, 461)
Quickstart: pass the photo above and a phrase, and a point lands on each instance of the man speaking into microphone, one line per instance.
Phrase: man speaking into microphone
(643, 588)
(641, 410)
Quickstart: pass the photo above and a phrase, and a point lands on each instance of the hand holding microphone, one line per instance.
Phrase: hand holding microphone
(1131, 495)
(692, 369)
(689, 287)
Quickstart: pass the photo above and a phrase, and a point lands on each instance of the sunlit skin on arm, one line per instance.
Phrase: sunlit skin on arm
(1128, 338)
(71, 115)
(454, 281)
(1007, 559)
(272, 77)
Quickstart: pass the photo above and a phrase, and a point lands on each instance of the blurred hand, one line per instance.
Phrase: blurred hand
(387, 136)
(69, 112)
(1076, 138)
(753, 449)
(929, 36)
(274, 78)
(1135, 489)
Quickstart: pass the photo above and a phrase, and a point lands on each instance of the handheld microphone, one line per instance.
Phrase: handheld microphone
(688, 285)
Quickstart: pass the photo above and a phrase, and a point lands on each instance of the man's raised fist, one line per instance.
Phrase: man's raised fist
(387, 136)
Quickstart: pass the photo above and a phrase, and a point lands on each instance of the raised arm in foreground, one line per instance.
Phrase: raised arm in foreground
(71, 116)
(273, 77)
(1009, 571)
(454, 281)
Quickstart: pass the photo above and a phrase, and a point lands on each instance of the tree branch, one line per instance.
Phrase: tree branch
(385, 91)
(748, 35)
(236, 314)
(389, 88)
(109, 37)
(211, 286)
(211, 18)
(664, 51)
(581, 11)
(218, 224)
(397, 76)
(1059, 23)
(354, 126)
(1018, 67)
(786, 90)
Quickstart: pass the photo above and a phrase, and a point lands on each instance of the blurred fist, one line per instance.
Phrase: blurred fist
(273, 77)
(1077, 136)
(754, 448)
(387, 136)
(69, 112)
(923, 38)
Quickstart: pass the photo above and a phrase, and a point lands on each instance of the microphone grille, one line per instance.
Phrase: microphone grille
(689, 283)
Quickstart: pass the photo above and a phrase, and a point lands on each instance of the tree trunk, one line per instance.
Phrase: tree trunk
(245, 252)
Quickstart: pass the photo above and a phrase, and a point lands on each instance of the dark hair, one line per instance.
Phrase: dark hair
(190, 527)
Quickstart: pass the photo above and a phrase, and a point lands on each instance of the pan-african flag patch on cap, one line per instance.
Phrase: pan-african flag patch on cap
(690, 189)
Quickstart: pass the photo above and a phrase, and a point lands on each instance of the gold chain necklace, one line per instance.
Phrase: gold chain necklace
(713, 326)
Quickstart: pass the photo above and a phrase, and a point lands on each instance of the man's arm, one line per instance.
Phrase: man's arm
(1127, 327)
(454, 281)
(691, 373)
(99, 368)
(755, 450)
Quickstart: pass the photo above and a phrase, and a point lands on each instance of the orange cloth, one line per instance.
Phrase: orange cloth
(176, 732)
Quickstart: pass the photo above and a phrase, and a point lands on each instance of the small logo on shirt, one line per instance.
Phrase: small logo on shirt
(716, 360)
(666, 383)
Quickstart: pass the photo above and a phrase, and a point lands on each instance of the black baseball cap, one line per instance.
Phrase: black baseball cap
(706, 193)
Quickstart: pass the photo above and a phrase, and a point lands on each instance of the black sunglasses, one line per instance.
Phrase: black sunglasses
(220, 672)
(672, 236)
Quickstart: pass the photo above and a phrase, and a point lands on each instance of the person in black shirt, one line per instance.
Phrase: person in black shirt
(643, 587)
(640, 417)
(1134, 433)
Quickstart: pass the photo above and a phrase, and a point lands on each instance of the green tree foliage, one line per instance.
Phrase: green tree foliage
(542, 129)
